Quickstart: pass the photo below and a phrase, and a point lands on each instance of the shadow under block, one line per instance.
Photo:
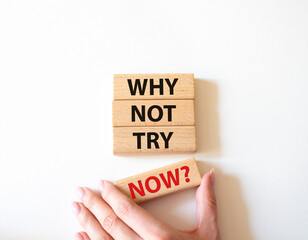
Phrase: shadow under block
(154, 139)
(153, 113)
(158, 182)
(153, 86)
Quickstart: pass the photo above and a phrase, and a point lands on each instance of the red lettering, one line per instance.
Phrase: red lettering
(170, 177)
(139, 190)
(147, 185)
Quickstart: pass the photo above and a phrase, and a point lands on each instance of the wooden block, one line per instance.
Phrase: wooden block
(153, 86)
(161, 181)
(154, 139)
(153, 113)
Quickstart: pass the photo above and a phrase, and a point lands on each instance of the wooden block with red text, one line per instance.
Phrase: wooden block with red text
(161, 181)
(154, 139)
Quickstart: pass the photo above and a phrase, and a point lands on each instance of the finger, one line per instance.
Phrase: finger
(85, 236)
(206, 205)
(142, 222)
(105, 215)
(89, 222)
(81, 236)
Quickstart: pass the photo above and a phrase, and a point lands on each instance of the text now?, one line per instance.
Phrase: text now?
(167, 179)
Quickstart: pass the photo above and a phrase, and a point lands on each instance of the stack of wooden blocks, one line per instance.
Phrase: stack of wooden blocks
(153, 113)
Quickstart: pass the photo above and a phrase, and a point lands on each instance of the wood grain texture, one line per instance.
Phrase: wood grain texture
(153, 113)
(183, 89)
(161, 181)
(169, 139)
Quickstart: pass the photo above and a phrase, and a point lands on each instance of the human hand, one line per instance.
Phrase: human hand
(115, 216)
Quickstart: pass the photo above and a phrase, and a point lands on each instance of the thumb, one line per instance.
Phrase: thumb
(206, 206)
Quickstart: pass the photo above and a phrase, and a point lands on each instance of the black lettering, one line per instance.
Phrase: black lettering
(160, 113)
(137, 85)
(166, 139)
(139, 134)
(150, 140)
(140, 115)
(160, 86)
(169, 107)
(171, 86)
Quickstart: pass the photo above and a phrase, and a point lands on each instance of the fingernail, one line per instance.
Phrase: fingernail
(101, 185)
(76, 208)
(80, 192)
(78, 236)
(212, 172)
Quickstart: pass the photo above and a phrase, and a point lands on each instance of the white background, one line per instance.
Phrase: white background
(250, 60)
